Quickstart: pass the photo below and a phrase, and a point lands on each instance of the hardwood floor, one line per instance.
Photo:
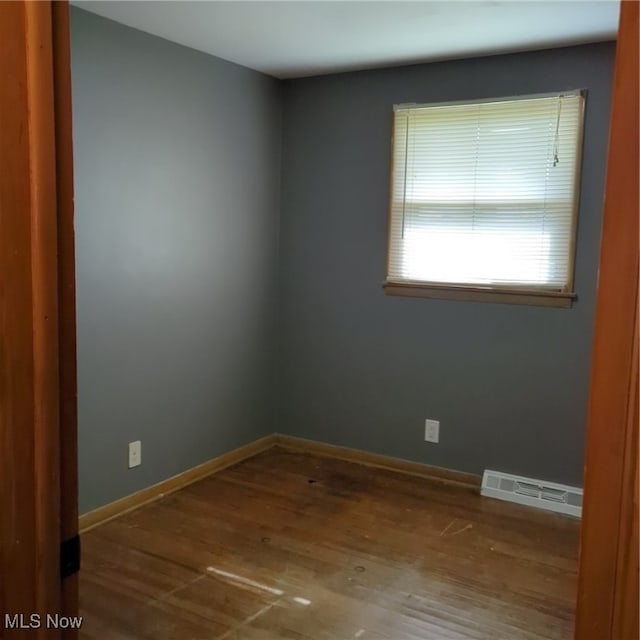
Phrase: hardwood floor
(288, 545)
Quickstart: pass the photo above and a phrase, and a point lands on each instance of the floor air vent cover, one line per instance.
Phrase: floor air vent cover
(534, 493)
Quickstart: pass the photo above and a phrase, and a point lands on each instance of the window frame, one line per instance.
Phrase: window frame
(495, 293)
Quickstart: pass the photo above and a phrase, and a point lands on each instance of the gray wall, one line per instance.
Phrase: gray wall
(508, 383)
(186, 257)
(177, 173)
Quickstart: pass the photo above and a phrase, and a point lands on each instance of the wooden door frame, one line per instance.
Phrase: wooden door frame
(38, 459)
(29, 355)
(605, 583)
(67, 379)
(37, 354)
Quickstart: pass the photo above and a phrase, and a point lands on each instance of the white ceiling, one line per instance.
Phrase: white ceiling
(306, 37)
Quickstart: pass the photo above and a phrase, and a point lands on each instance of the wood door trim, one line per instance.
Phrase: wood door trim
(66, 297)
(66, 263)
(625, 612)
(44, 260)
(610, 401)
(29, 450)
(16, 353)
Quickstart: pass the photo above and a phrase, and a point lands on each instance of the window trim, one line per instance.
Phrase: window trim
(479, 293)
(537, 296)
(520, 96)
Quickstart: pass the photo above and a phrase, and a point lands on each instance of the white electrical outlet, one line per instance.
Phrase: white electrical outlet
(135, 454)
(432, 430)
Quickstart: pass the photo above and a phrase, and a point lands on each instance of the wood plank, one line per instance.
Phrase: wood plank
(610, 401)
(293, 545)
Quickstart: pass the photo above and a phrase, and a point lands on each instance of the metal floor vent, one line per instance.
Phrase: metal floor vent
(534, 493)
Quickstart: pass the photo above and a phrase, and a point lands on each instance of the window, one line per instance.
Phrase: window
(484, 199)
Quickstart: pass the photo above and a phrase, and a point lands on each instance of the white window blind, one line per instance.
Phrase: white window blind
(484, 194)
